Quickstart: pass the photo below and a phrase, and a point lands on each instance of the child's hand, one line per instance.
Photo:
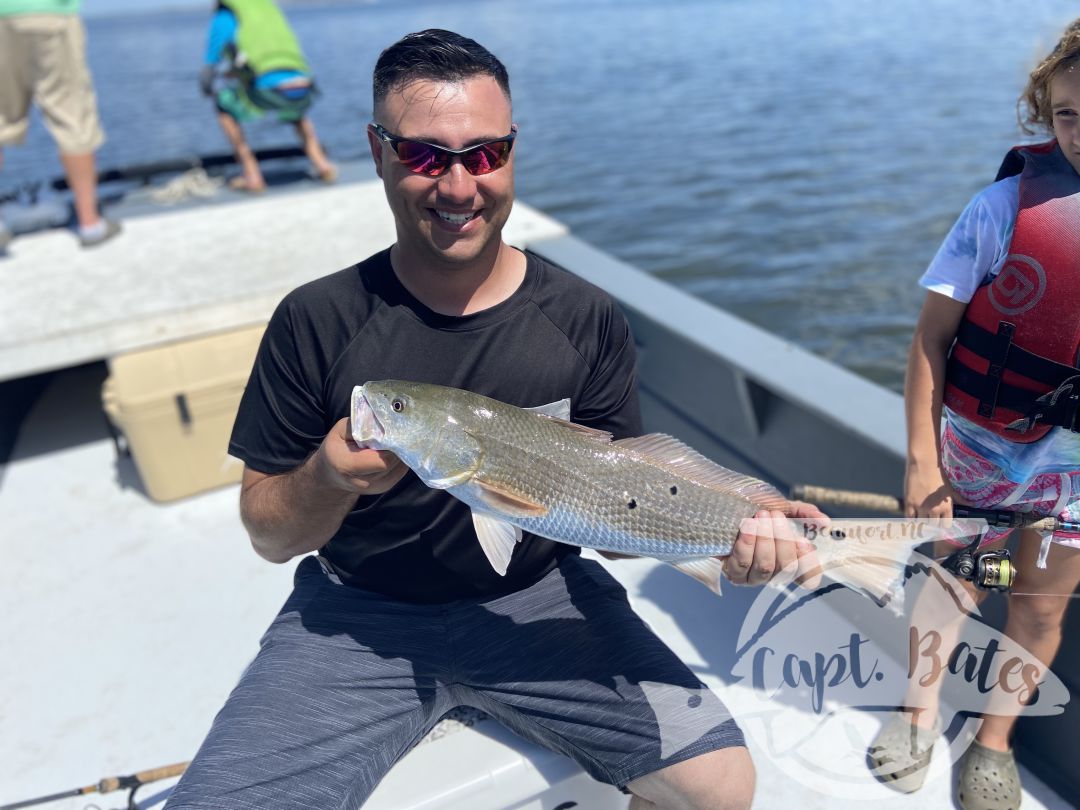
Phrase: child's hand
(927, 493)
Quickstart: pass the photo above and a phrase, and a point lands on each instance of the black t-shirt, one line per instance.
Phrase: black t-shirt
(557, 336)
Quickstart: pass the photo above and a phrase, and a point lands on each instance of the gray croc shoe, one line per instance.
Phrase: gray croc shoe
(900, 753)
(988, 779)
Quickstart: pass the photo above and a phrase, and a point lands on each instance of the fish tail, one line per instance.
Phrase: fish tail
(874, 566)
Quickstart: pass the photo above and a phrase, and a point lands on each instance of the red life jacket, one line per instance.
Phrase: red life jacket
(1012, 368)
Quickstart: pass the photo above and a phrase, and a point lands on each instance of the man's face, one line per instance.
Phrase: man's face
(1065, 108)
(457, 218)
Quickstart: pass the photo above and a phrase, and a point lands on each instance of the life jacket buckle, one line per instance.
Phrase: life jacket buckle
(998, 359)
(1060, 407)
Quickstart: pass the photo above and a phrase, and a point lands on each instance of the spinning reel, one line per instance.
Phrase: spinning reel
(988, 570)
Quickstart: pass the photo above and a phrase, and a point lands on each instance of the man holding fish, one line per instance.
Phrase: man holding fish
(415, 603)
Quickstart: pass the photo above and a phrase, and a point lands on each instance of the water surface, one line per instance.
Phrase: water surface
(794, 162)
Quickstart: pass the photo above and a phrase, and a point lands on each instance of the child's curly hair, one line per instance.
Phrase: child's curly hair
(1033, 107)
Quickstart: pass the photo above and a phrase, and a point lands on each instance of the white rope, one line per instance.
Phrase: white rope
(192, 183)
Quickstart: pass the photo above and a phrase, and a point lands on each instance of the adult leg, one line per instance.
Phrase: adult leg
(313, 149)
(718, 780)
(567, 664)
(81, 174)
(64, 91)
(252, 176)
(344, 684)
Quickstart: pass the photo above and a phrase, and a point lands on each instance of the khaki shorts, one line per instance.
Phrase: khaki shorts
(43, 61)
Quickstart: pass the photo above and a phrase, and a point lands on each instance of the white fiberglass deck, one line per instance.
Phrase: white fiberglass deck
(180, 272)
(125, 624)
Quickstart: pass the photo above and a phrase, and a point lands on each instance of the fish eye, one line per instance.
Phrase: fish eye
(398, 404)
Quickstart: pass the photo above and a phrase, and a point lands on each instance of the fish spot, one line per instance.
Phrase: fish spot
(674, 490)
(631, 504)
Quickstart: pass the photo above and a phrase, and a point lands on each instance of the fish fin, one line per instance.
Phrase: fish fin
(875, 567)
(506, 502)
(497, 539)
(557, 410)
(600, 436)
(671, 454)
(707, 570)
(450, 480)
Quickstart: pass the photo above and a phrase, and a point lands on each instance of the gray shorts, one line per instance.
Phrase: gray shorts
(347, 681)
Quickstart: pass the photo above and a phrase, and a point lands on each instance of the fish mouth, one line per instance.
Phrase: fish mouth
(366, 428)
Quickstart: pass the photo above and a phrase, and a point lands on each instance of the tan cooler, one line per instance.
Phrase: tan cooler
(175, 406)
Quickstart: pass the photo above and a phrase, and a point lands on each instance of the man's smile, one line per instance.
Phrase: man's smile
(456, 219)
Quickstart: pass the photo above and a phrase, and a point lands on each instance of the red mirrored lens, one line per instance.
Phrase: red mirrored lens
(422, 159)
(487, 157)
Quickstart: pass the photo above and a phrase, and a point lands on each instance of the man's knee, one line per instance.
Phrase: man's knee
(718, 780)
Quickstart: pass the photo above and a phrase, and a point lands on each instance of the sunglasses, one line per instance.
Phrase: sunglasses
(433, 161)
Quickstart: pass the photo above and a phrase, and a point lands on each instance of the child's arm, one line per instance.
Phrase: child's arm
(926, 491)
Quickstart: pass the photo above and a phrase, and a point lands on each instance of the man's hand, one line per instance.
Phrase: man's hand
(344, 465)
(767, 544)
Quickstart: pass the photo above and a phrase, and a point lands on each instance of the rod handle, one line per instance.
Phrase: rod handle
(873, 501)
(111, 783)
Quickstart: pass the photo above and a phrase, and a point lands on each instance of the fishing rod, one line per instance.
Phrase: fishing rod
(878, 502)
(108, 785)
(990, 570)
(987, 570)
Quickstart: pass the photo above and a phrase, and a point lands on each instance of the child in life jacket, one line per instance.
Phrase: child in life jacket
(995, 352)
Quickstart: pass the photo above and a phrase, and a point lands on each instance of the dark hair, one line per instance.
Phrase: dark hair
(434, 54)
(1033, 108)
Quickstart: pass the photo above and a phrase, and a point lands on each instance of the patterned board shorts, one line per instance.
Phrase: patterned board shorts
(980, 482)
(245, 102)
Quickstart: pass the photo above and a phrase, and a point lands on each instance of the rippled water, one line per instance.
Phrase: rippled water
(796, 162)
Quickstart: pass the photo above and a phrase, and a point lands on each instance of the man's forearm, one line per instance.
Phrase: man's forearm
(293, 513)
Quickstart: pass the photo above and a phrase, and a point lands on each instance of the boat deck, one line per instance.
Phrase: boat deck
(126, 623)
